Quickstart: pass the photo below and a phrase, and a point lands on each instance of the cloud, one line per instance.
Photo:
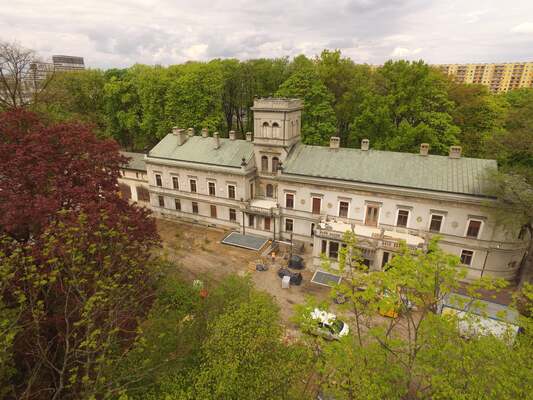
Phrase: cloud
(526, 27)
(402, 52)
(118, 33)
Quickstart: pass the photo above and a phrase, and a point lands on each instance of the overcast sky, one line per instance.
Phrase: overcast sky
(118, 33)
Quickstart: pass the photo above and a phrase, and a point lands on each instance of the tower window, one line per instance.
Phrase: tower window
(269, 190)
(275, 164)
(264, 163)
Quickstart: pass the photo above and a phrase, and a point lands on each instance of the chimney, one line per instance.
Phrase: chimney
(455, 151)
(190, 132)
(232, 135)
(334, 142)
(365, 144)
(216, 136)
(205, 132)
(180, 134)
(424, 149)
(248, 136)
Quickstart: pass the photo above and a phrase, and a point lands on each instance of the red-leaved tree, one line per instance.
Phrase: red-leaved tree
(58, 167)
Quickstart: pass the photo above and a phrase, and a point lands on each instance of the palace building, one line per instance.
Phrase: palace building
(271, 184)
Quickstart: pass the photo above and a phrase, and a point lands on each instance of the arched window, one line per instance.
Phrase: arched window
(275, 130)
(269, 190)
(265, 129)
(264, 163)
(275, 164)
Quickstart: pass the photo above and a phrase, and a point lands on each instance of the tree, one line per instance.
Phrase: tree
(194, 96)
(513, 146)
(479, 114)
(414, 107)
(244, 357)
(350, 85)
(318, 119)
(75, 96)
(419, 354)
(58, 167)
(20, 83)
(513, 209)
(83, 285)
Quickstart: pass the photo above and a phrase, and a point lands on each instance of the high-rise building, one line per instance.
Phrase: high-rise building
(41, 70)
(497, 77)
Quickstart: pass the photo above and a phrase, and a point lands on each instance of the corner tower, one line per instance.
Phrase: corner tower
(277, 121)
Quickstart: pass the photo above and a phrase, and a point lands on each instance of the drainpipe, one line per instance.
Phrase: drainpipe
(243, 225)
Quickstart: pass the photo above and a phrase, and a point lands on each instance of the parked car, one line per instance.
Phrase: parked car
(296, 262)
(296, 277)
(327, 325)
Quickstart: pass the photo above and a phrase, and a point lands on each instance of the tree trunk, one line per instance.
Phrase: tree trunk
(525, 272)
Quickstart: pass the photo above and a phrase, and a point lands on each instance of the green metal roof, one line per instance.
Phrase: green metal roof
(436, 173)
(136, 161)
(202, 150)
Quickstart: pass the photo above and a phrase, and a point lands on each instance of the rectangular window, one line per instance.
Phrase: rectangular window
(161, 200)
(289, 200)
(158, 180)
(175, 183)
(324, 247)
(212, 190)
(466, 257)
(194, 207)
(343, 209)
(372, 214)
(213, 211)
(436, 223)
(403, 216)
(317, 205)
(143, 194)
(177, 204)
(474, 226)
(231, 191)
(193, 185)
(232, 215)
(288, 225)
(334, 250)
(251, 220)
(267, 223)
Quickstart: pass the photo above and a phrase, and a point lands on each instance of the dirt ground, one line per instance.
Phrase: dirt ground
(198, 254)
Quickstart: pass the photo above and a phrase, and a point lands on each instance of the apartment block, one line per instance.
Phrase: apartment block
(497, 77)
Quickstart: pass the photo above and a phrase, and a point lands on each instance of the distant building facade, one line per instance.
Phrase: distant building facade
(497, 77)
(39, 71)
(271, 184)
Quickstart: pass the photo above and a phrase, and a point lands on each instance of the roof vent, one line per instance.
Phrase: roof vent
(334, 142)
(248, 136)
(365, 144)
(205, 132)
(190, 132)
(180, 134)
(232, 135)
(216, 136)
(455, 151)
(424, 149)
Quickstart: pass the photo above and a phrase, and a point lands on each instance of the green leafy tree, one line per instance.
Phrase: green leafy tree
(414, 107)
(83, 285)
(318, 119)
(513, 210)
(419, 354)
(350, 85)
(194, 96)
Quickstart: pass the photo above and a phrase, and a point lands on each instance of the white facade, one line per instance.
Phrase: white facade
(258, 196)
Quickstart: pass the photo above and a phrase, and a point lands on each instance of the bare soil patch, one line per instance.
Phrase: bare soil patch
(198, 254)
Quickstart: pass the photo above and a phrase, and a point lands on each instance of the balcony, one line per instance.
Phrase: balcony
(266, 207)
(379, 237)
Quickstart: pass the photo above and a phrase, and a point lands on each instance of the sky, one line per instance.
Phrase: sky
(119, 33)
